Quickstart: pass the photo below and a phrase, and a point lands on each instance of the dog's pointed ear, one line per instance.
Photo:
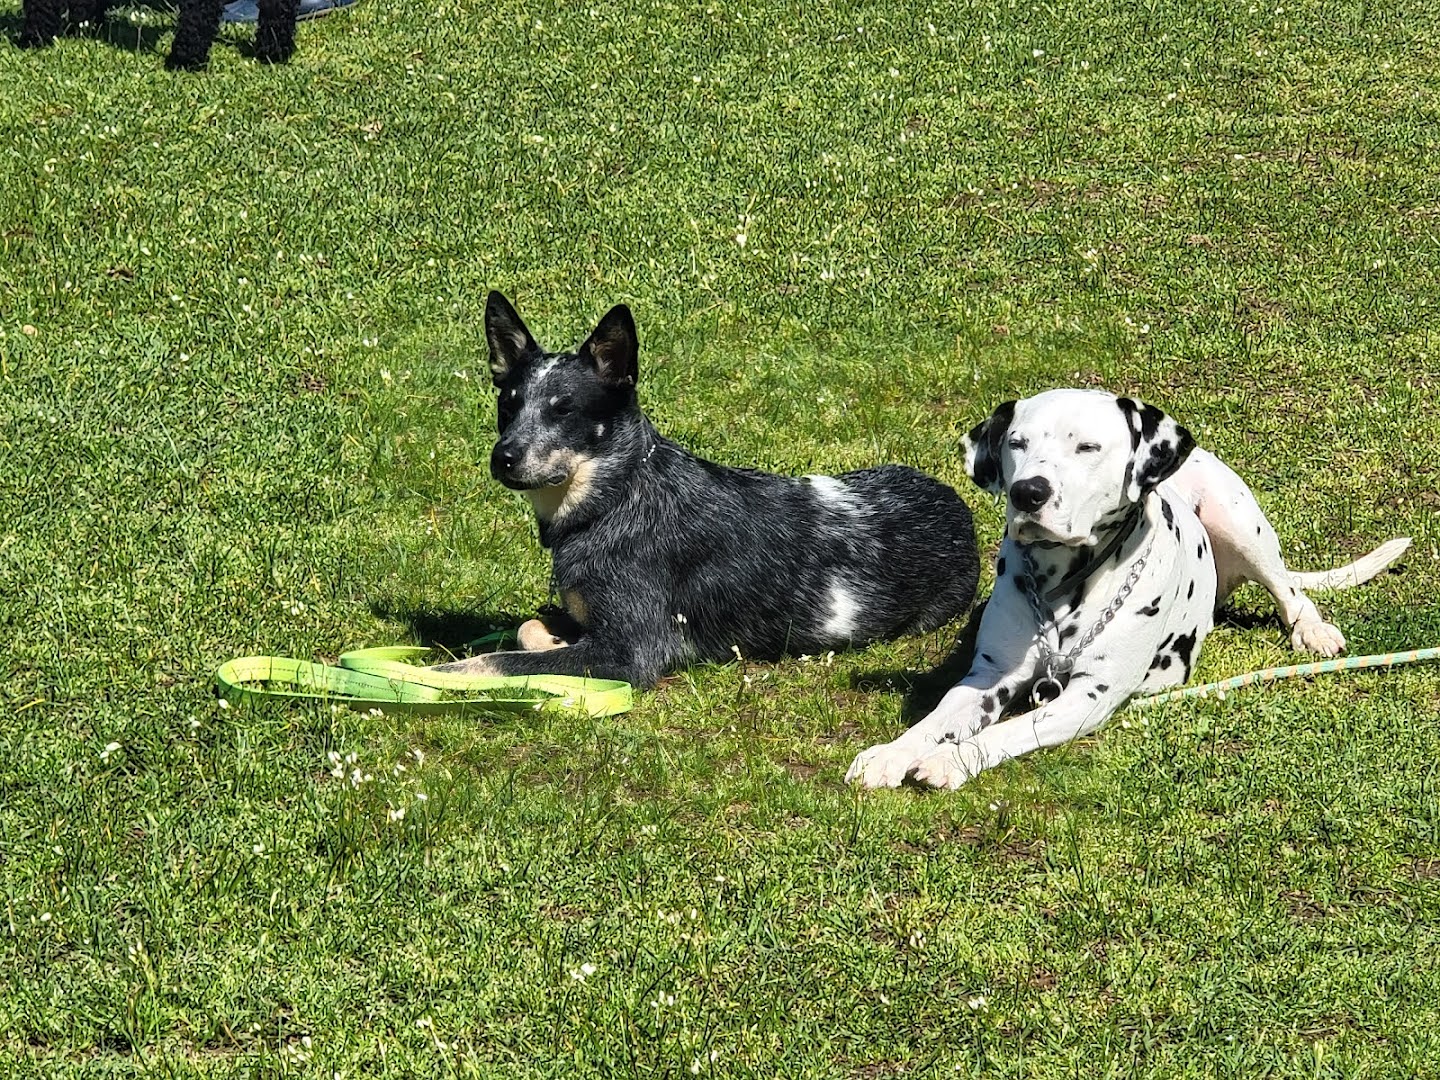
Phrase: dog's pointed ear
(614, 348)
(510, 342)
(1160, 447)
(982, 448)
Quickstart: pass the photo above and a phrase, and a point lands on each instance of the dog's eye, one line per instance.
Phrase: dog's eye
(562, 406)
(1017, 443)
(1087, 448)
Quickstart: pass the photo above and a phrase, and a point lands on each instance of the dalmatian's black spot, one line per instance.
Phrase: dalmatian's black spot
(1163, 644)
(987, 658)
(987, 704)
(999, 568)
(1151, 609)
(1091, 694)
(1200, 550)
(1190, 593)
(1002, 695)
(1184, 648)
(1169, 514)
(1102, 687)
(1257, 530)
(1162, 661)
(1068, 632)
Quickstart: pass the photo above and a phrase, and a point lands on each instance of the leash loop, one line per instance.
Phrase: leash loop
(389, 679)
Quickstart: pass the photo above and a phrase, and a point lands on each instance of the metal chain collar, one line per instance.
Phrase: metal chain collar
(1055, 669)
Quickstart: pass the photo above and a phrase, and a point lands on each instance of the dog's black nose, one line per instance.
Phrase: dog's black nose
(1030, 494)
(502, 460)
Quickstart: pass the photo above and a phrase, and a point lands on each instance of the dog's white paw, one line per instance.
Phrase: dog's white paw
(535, 636)
(950, 766)
(881, 766)
(1317, 636)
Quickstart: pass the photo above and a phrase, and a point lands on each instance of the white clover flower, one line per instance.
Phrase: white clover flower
(110, 748)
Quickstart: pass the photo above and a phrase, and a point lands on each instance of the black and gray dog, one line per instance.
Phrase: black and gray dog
(45, 20)
(661, 558)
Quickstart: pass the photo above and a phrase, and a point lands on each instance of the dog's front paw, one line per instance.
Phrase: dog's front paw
(950, 766)
(881, 766)
(1317, 636)
(535, 636)
(474, 665)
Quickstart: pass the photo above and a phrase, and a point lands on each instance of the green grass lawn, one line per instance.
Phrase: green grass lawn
(243, 410)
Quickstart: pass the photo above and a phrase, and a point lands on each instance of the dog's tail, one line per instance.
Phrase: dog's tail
(1361, 570)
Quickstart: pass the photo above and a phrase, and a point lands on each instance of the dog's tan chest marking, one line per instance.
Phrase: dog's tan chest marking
(553, 503)
(575, 606)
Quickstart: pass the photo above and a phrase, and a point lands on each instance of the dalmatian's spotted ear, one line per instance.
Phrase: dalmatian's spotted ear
(511, 345)
(1160, 447)
(982, 448)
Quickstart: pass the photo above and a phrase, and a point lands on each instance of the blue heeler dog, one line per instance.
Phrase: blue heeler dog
(662, 558)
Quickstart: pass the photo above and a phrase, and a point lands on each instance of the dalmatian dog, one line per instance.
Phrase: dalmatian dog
(1121, 540)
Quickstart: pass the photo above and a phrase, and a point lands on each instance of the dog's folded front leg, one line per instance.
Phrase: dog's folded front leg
(606, 651)
(1076, 712)
(976, 701)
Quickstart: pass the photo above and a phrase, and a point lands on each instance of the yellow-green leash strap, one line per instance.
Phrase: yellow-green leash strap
(390, 679)
(1293, 671)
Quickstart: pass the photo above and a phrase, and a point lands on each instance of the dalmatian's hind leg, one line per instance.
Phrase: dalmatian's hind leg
(1247, 549)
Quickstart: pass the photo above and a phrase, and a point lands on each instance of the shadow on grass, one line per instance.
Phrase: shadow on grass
(128, 35)
(923, 690)
(447, 630)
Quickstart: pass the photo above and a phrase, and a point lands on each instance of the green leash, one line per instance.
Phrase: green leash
(1293, 671)
(390, 680)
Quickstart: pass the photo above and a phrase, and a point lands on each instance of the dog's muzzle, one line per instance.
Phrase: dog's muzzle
(507, 466)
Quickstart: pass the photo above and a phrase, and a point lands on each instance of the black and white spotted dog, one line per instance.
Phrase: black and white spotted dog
(661, 558)
(1121, 540)
(45, 20)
